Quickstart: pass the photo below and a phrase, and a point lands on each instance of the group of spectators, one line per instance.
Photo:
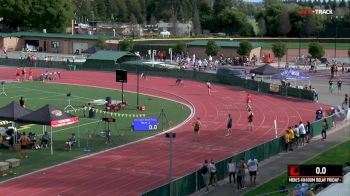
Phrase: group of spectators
(12, 138)
(237, 172)
(297, 135)
(334, 68)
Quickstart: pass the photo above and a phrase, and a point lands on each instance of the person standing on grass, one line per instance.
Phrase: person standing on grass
(253, 169)
(24, 141)
(205, 174)
(250, 119)
(197, 125)
(324, 129)
(302, 133)
(209, 87)
(231, 167)
(22, 102)
(339, 84)
(213, 175)
(229, 125)
(331, 85)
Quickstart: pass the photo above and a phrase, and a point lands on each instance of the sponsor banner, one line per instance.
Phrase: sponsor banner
(64, 122)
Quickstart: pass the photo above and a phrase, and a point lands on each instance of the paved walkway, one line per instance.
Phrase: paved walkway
(275, 165)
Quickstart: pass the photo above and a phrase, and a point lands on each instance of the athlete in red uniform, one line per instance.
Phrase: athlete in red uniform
(18, 73)
(30, 73)
(249, 101)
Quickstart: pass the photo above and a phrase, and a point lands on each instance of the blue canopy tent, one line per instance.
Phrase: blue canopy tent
(291, 74)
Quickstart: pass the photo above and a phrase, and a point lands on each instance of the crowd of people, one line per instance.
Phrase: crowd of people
(237, 172)
(21, 74)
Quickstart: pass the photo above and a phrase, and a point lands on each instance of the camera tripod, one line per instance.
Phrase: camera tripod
(3, 89)
(106, 131)
(69, 105)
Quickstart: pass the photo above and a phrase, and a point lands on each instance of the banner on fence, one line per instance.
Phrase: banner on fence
(274, 88)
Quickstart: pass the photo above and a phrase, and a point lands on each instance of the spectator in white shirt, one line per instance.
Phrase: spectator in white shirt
(252, 168)
(232, 170)
(302, 132)
(213, 176)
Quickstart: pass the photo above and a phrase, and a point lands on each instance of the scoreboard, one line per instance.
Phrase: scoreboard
(315, 173)
(145, 124)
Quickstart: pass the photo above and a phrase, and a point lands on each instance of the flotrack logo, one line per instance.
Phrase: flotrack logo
(319, 12)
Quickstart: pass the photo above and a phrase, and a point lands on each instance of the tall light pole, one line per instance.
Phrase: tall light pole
(138, 86)
(336, 35)
(300, 25)
(170, 135)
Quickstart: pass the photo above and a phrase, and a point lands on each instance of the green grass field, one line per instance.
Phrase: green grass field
(37, 94)
(295, 45)
(338, 155)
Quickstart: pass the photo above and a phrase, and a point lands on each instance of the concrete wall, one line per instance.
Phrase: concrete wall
(11, 43)
(65, 45)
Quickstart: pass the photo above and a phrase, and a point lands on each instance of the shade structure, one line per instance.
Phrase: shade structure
(266, 69)
(49, 116)
(291, 74)
(13, 111)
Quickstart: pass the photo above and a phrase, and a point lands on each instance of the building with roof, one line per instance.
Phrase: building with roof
(48, 42)
(107, 59)
(227, 48)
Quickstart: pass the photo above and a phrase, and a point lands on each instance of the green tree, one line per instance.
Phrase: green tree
(316, 50)
(53, 15)
(262, 26)
(197, 29)
(180, 47)
(231, 21)
(126, 45)
(279, 50)
(284, 24)
(212, 48)
(15, 12)
(101, 43)
(220, 5)
(272, 19)
(244, 48)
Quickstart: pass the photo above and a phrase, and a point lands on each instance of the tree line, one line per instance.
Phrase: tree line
(232, 17)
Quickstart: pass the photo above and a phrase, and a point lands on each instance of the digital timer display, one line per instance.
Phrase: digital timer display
(315, 173)
(145, 124)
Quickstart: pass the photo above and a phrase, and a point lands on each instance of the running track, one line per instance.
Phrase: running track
(142, 166)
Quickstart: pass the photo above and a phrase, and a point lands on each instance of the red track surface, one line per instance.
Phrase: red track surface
(136, 168)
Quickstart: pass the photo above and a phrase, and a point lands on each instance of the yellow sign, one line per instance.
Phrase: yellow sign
(274, 88)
